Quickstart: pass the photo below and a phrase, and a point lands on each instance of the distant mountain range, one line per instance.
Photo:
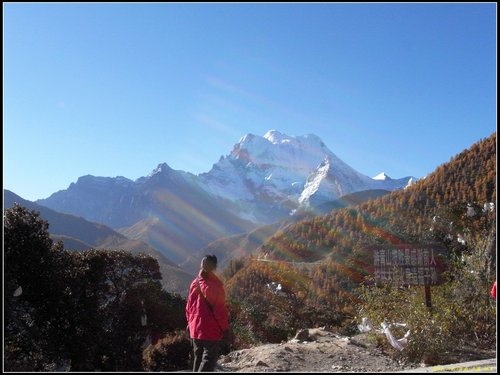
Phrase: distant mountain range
(261, 181)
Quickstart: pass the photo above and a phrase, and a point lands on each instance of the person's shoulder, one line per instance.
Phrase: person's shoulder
(194, 283)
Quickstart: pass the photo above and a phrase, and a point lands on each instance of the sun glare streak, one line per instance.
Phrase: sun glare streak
(182, 225)
(340, 255)
(276, 111)
(197, 220)
(226, 86)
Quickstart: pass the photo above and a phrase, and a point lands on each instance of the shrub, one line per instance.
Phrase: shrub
(461, 314)
(171, 353)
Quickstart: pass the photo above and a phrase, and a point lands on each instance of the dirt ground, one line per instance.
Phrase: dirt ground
(321, 351)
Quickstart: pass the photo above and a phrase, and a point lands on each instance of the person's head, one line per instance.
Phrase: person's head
(209, 263)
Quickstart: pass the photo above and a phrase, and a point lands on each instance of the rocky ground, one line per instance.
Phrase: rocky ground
(318, 350)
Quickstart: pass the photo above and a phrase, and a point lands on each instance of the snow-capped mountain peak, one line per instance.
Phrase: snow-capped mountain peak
(279, 150)
(276, 137)
(382, 176)
(163, 167)
(285, 172)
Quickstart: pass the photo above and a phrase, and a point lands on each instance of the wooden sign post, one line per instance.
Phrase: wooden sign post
(406, 264)
(428, 302)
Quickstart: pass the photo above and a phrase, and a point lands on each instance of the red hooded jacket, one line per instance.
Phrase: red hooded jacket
(206, 324)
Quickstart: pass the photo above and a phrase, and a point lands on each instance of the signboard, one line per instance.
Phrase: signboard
(408, 264)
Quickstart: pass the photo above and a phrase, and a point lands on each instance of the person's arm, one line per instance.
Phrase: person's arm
(217, 299)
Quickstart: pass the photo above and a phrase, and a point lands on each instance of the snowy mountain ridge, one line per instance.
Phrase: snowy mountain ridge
(262, 180)
(288, 172)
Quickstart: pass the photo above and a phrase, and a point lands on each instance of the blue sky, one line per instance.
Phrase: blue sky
(114, 89)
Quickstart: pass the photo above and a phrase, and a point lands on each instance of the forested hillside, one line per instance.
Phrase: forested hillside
(319, 264)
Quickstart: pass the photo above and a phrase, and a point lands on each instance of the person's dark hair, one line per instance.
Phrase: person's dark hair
(211, 258)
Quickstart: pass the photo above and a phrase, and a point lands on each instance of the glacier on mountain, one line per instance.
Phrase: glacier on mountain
(285, 173)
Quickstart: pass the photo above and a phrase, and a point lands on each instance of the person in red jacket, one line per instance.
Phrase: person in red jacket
(207, 315)
(493, 291)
